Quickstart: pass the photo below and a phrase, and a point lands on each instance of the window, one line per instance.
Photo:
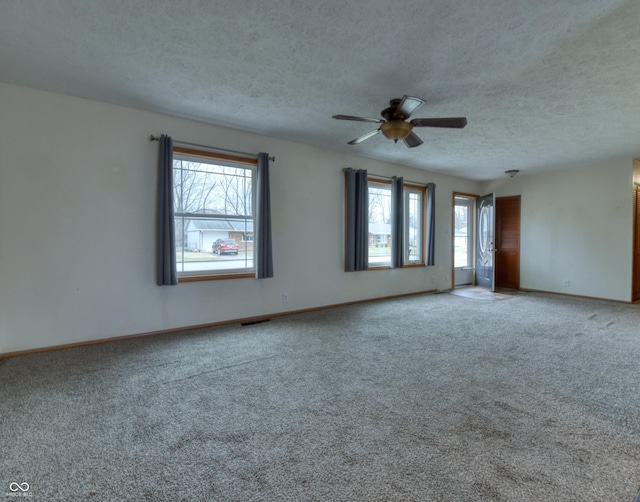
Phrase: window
(463, 231)
(380, 223)
(414, 198)
(214, 213)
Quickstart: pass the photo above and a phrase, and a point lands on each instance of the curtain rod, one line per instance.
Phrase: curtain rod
(374, 176)
(212, 149)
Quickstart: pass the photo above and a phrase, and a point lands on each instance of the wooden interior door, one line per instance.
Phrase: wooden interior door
(507, 273)
(635, 290)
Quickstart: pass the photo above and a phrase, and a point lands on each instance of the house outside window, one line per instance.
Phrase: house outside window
(214, 211)
(414, 224)
(380, 223)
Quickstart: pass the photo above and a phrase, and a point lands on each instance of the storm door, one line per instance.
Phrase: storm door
(485, 224)
(464, 217)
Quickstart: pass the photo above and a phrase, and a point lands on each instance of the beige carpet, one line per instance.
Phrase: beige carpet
(430, 398)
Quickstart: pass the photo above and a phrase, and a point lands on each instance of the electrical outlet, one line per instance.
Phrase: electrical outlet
(567, 283)
(285, 297)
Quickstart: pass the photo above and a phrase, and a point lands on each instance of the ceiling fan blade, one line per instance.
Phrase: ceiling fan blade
(452, 122)
(364, 137)
(407, 106)
(412, 140)
(357, 119)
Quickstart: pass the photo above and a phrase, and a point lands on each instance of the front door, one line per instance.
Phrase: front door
(507, 263)
(485, 223)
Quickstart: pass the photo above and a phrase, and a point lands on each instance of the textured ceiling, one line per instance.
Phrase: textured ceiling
(544, 84)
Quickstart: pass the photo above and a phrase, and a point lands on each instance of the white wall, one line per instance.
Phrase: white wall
(576, 225)
(77, 226)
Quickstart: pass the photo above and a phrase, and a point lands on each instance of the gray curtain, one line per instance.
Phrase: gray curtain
(397, 222)
(431, 224)
(357, 216)
(264, 256)
(166, 237)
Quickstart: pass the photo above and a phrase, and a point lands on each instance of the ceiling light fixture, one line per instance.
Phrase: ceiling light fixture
(396, 129)
(512, 172)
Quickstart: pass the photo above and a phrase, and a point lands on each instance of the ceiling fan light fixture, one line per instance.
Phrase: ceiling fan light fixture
(395, 123)
(396, 129)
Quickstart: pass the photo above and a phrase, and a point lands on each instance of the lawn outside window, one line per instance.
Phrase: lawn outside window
(214, 201)
(414, 224)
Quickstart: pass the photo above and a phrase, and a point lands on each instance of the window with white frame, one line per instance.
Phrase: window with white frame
(214, 213)
(463, 231)
(414, 200)
(380, 223)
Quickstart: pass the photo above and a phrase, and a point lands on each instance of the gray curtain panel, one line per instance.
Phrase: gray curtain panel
(357, 216)
(397, 222)
(263, 239)
(166, 237)
(431, 224)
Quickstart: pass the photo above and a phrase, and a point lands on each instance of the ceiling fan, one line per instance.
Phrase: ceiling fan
(395, 125)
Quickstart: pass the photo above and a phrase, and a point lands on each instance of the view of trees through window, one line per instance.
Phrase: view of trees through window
(380, 223)
(415, 214)
(213, 209)
(462, 226)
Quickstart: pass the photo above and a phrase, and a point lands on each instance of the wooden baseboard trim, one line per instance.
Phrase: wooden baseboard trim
(244, 320)
(528, 290)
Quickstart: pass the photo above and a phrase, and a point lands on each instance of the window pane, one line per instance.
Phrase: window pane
(414, 214)
(215, 244)
(379, 225)
(204, 188)
(462, 254)
(213, 216)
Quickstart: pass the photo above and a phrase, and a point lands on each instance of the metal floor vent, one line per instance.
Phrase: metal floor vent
(250, 323)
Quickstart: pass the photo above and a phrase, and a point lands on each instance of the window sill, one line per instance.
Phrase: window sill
(388, 267)
(378, 267)
(199, 278)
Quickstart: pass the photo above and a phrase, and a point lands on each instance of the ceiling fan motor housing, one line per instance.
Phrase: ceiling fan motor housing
(391, 113)
(395, 127)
